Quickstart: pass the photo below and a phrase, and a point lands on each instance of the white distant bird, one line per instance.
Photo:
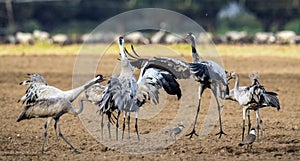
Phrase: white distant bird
(249, 139)
(125, 94)
(175, 131)
(252, 97)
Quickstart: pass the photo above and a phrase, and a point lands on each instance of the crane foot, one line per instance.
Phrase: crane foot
(193, 132)
(76, 151)
(221, 133)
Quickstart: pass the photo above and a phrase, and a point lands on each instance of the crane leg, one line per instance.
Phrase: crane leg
(193, 132)
(243, 126)
(259, 126)
(249, 121)
(102, 125)
(117, 125)
(221, 132)
(46, 126)
(123, 129)
(108, 127)
(55, 129)
(128, 124)
(64, 138)
(136, 125)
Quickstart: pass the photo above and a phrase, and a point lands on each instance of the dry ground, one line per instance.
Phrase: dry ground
(22, 141)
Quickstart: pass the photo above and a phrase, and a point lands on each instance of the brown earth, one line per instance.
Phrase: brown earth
(22, 141)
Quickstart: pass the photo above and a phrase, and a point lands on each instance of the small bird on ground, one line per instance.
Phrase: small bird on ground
(175, 131)
(249, 139)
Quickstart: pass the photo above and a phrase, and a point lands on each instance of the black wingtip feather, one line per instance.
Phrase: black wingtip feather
(171, 86)
(134, 52)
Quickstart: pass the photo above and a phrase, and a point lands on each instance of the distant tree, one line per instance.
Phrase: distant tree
(202, 11)
(274, 12)
(51, 14)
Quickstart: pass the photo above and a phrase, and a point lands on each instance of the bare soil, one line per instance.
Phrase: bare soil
(22, 141)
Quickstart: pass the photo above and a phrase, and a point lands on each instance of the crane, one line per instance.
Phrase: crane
(252, 97)
(44, 101)
(208, 73)
(125, 94)
(38, 88)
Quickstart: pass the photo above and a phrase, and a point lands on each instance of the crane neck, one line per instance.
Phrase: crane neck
(121, 47)
(237, 82)
(71, 95)
(78, 111)
(195, 56)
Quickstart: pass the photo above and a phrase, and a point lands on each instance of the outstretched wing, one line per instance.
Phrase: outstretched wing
(151, 80)
(212, 75)
(32, 91)
(270, 99)
(118, 94)
(34, 78)
(179, 69)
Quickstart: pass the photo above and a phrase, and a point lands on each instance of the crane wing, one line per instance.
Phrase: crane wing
(34, 83)
(34, 78)
(151, 81)
(210, 73)
(42, 108)
(117, 95)
(270, 99)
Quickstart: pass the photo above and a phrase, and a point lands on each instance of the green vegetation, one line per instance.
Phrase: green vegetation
(246, 22)
(293, 25)
(77, 17)
(183, 49)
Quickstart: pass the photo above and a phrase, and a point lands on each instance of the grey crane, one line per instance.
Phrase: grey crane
(48, 101)
(249, 140)
(38, 89)
(125, 94)
(252, 97)
(208, 73)
(51, 108)
(120, 92)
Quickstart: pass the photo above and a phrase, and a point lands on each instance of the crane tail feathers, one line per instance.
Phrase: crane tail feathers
(272, 100)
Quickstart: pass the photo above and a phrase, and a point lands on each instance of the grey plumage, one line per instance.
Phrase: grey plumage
(43, 101)
(125, 94)
(34, 78)
(39, 89)
(175, 131)
(50, 108)
(120, 92)
(252, 97)
(207, 73)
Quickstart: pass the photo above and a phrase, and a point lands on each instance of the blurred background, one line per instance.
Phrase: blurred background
(75, 18)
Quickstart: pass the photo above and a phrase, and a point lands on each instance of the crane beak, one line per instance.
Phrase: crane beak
(229, 78)
(28, 75)
(101, 79)
(187, 38)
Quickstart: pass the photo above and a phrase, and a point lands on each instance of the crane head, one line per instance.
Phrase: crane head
(253, 75)
(190, 37)
(232, 75)
(121, 40)
(100, 78)
(121, 46)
